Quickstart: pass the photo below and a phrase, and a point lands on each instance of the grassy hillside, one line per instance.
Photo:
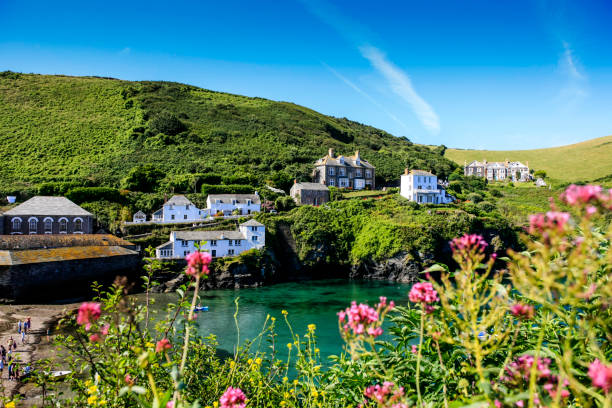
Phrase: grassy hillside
(98, 130)
(583, 161)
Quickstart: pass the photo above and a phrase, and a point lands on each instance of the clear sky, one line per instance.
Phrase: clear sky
(503, 74)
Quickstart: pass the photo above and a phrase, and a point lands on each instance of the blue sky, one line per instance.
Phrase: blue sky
(473, 74)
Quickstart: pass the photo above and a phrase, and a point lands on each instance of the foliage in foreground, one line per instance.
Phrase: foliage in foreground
(473, 339)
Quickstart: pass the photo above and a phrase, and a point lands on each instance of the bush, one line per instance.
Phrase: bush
(89, 194)
(495, 193)
(474, 197)
(58, 188)
(284, 203)
(540, 174)
(144, 178)
(227, 189)
(486, 206)
(166, 123)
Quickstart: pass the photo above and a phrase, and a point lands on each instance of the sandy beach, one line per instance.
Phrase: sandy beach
(37, 344)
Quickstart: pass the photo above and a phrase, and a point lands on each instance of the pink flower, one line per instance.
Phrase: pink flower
(552, 220)
(521, 311)
(104, 329)
(129, 380)
(469, 243)
(232, 398)
(363, 319)
(581, 194)
(497, 403)
(424, 293)
(414, 350)
(601, 375)
(89, 312)
(94, 338)
(197, 263)
(170, 404)
(163, 345)
(385, 395)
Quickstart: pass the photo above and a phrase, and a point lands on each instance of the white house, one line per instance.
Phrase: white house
(250, 234)
(139, 217)
(227, 203)
(179, 209)
(422, 187)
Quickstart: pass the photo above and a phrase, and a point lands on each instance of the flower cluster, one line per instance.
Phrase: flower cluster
(601, 375)
(518, 374)
(469, 243)
(425, 294)
(552, 220)
(362, 319)
(589, 194)
(162, 345)
(88, 313)
(521, 311)
(385, 396)
(197, 263)
(96, 337)
(232, 398)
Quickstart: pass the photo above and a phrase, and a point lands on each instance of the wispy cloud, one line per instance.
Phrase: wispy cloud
(401, 84)
(364, 94)
(359, 35)
(574, 91)
(125, 51)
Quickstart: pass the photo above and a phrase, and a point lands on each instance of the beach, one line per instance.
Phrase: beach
(37, 344)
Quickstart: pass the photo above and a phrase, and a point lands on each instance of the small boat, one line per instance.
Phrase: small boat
(200, 309)
(58, 375)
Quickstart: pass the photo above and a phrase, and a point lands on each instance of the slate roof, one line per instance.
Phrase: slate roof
(421, 173)
(46, 241)
(311, 186)
(178, 200)
(252, 223)
(33, 256)
(240, 198)
(167, 245)
(208, 235)
(43, 205)
(349, 161)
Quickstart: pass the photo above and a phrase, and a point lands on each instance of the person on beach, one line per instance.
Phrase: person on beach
(3, 353)
(23, 336)
(48, 332)
(29, 322)
(11, 341)
(10, 371)
(1, 367)
(19, 327)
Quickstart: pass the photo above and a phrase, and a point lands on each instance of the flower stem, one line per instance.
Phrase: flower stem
(418, 367)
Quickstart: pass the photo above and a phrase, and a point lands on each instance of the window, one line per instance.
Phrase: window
(238, 242)
(213, 253)
(248, 202)
(185, 253)
(255, 238)
(185, 216)
(230, 252)
(332, 182)
(48, 225)
(233, 202)
(78, 225)
(171, 207)
(16, 224)
(342, 171)
(331, 171)
(63, 225)
(172, 217)
(33, 225)
(187, 207)
(254, 229)
(230, 243)
(368, 173)
(213, 242)
(358, 173)
(184, 243)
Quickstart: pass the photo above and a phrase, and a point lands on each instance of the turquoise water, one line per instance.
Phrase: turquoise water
(306, 302)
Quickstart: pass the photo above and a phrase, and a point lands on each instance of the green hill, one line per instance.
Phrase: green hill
(98, 130)
(585, 161)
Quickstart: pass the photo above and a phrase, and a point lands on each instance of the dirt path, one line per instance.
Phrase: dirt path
(36, 346)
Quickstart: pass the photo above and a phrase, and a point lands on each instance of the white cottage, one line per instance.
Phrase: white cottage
(422, 187)
(249, 235)
(226, 204)
(139, 217)
(179, 209)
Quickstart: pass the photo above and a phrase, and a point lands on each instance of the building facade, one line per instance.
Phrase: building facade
(422, 187)
(309, 193)
(47, 215)
(250, 235)
(344, 172)
(226, 204)
(179, 209)
(498, 171)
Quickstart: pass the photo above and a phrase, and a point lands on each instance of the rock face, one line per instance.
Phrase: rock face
(400, 268)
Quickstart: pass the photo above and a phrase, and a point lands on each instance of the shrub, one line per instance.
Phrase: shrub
(88, 194)
(166, 123)
(540, 174)
(284, 203)
(143, 178)
(227, 189)
(474, 197)
(486, 206)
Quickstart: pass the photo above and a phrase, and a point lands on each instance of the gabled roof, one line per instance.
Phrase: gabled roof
(208, 235)
(167, 245)
(240, 198)
(252, 223)
(311, 186)
(421, 173)
(140, 214)
(43, 205)
(348, 161)
(178, 200)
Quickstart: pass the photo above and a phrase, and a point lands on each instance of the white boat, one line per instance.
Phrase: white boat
(58, 375)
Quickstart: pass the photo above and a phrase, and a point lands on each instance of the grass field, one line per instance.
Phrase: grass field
(583, 161)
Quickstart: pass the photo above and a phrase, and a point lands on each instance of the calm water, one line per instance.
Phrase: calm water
(307, 302)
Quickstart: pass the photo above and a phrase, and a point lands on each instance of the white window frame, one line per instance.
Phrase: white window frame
(332, 182)
(255, 238)
(50, 230)
(35, 221)
(213, 242)
(16, 221)
(65, 221)
(78, 231)
(230, 252)
(331, 171)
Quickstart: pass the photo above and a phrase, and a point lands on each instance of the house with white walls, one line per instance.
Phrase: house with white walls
(179, 209)
(226, 204)
(422, 187)
(250, 235)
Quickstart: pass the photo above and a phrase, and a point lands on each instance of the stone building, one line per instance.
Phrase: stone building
(309, 193)
(47, 215)
(498, 171)
(344, 171)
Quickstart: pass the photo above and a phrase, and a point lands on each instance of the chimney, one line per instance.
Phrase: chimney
(357, 154)
(406, 171)
(527, 163)
(331, 152)
(294, 181)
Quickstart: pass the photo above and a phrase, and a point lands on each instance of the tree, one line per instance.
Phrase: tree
(143, 178)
